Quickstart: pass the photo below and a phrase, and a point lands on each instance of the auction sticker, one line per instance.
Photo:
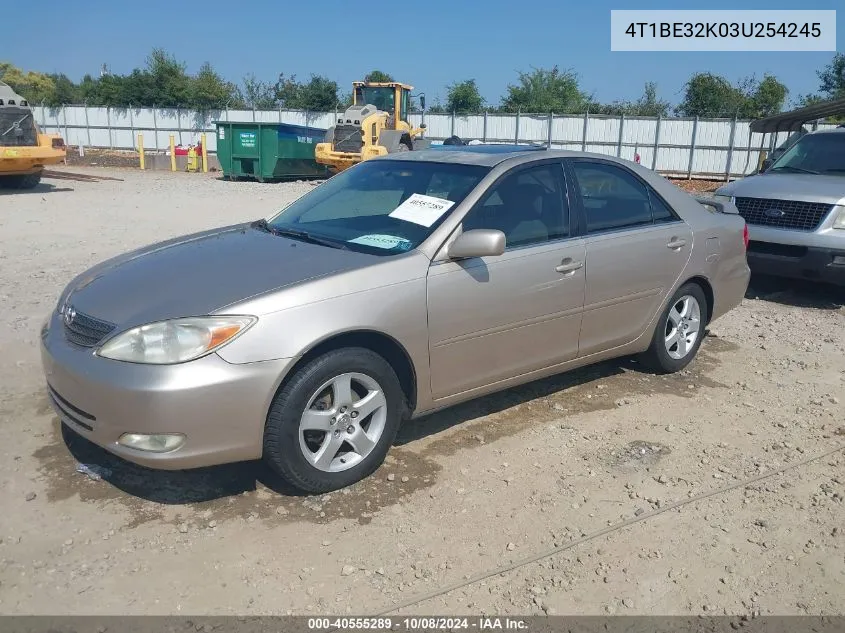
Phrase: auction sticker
(382, 241)
(421, 209)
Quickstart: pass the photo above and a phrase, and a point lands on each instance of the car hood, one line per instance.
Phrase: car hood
(200, 273)
(775, 186)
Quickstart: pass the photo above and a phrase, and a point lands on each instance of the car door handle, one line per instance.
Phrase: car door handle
(676, 243)
(568, 266)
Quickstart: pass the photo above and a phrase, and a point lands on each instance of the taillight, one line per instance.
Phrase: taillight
(58, 143)
(745, 236)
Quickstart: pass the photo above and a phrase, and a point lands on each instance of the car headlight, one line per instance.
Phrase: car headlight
(720, 198)
(839, 220)
(176, 340)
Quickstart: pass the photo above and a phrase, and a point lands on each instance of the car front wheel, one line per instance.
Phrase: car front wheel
(679, 331)
(333, 422)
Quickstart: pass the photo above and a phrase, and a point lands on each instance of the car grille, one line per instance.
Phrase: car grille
(85, 330)
(347, 138)
(783, 214)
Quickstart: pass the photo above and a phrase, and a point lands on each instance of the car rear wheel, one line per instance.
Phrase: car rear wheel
(333, 422)
(679, 331)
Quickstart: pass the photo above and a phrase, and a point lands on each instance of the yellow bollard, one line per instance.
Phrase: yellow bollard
(141, 149)
(204, 155)
(172, 153)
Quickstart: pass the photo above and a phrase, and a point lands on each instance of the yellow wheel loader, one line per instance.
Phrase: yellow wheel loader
(374, 125)
(24, 151)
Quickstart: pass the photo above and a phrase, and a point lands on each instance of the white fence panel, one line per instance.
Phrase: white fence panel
(678, 146)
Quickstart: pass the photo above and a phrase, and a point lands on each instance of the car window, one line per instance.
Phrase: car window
(380, 207)
(612, 198)
(527, 206)
(660, 212)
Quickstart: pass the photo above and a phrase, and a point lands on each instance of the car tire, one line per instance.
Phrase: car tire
(673, 347)
(316, 439)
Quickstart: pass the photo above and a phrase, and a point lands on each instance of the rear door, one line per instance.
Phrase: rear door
(636, 248)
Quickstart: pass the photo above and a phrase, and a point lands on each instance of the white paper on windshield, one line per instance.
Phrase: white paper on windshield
(422, 210)
(381, 241)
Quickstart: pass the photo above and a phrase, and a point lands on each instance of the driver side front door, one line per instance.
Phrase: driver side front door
(495, 318)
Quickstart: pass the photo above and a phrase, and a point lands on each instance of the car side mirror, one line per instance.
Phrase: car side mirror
(477, 243)
(766, 164)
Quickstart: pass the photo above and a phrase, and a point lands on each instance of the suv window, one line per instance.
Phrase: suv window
(527, 206)
(615, 199)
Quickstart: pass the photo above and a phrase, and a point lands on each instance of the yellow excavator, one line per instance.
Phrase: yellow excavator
(24, 150)
(374, 125)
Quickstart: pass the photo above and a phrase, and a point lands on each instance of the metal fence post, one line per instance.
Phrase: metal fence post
(155, 127)
(253, 114)
(484, 131)
(516, 132)
(551, 122)
(108, 123)
(280, 113)
(64, 112)
(132, 125)
(656, 144)
(619, 143)
(179, 123)
(730, 151)
(584, 132)
(692, 148)
(453, 124)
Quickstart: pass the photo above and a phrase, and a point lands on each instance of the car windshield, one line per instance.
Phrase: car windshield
(384, 207)
(815, 154)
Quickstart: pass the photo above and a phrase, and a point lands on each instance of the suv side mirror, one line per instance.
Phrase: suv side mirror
(477, 243)
(766, 164)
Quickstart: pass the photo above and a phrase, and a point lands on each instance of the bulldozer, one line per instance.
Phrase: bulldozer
(24, 150)
(374, 125)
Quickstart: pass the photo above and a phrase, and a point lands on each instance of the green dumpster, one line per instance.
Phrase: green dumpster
(268, 151)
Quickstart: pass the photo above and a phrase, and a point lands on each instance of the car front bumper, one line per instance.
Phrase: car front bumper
(219, 407)
(798, 262)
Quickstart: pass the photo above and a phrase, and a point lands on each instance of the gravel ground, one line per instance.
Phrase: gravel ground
(647, 494)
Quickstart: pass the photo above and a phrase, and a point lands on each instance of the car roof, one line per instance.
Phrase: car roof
(491, 155)
(836, 130)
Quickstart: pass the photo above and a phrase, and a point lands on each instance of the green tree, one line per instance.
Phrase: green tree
(464, 97)
(766, 97)
(647, 105)
(171, 83)
(64, 91)
(209, 90)
(33, 86)
(831, 83)
(832, 78)
(545, 90)
(258, 94)
(709, 95)
(318, 95)
(377, 76)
